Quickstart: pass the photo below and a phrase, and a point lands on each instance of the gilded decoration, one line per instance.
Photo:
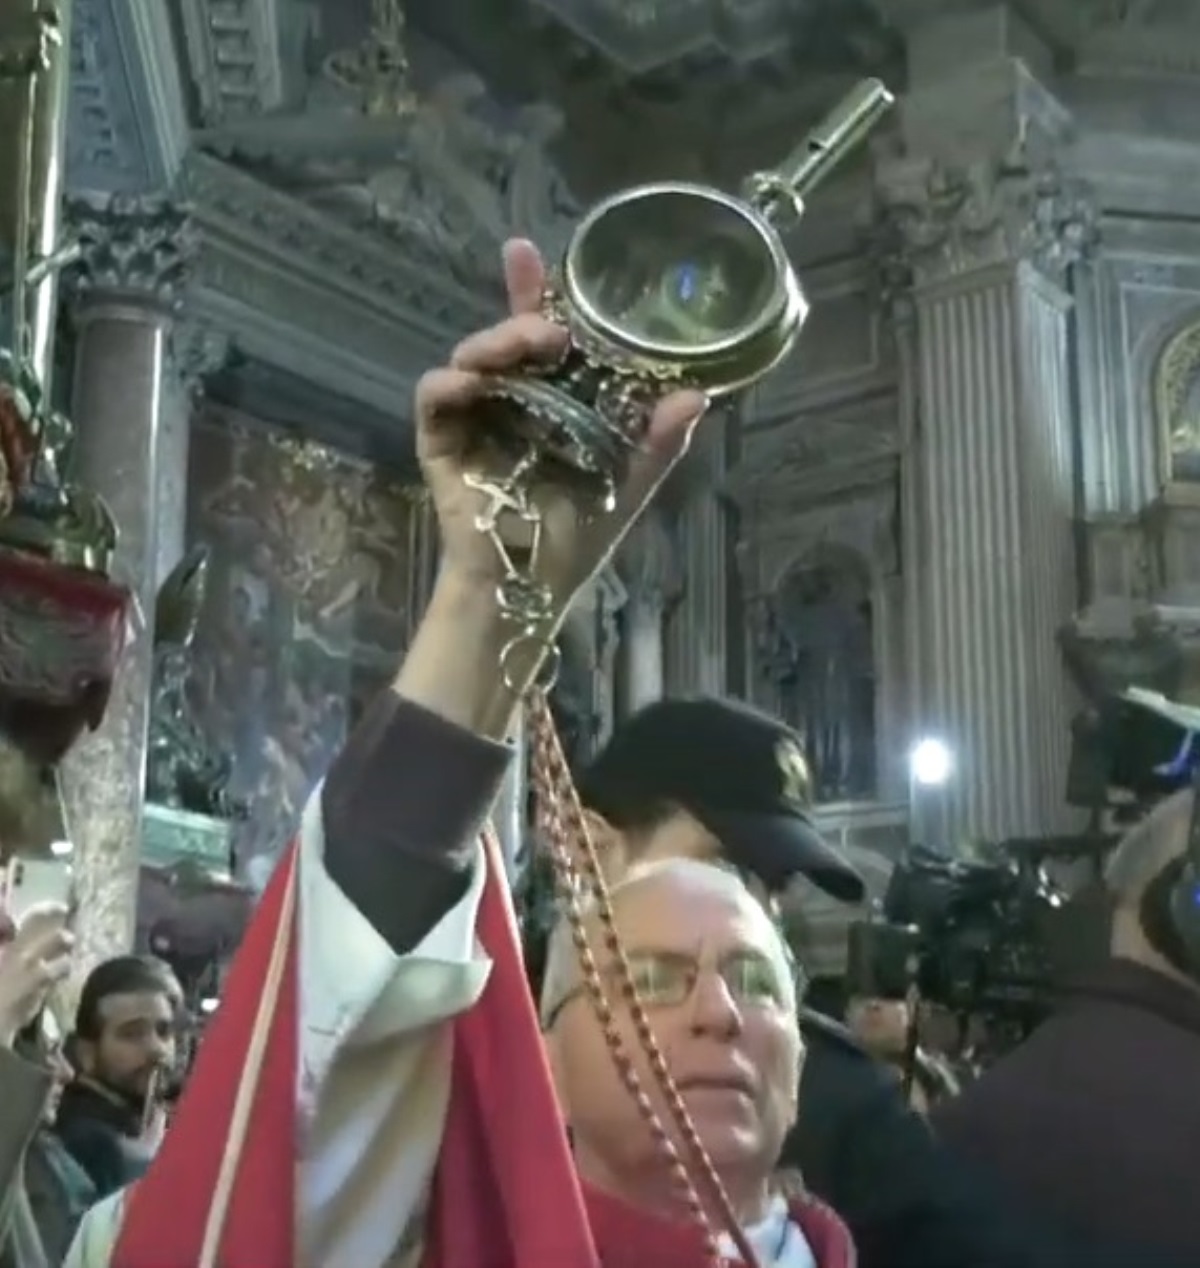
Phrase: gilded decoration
(319, 563)
(1177, 411)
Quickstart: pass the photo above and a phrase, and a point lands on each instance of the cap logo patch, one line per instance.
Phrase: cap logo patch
(794, 775)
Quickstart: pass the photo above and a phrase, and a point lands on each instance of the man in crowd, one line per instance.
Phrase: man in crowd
(124, 1045)
(43, 1193)
(715, 977)
(1094, 1120)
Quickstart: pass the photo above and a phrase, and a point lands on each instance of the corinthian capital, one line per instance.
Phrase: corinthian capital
(134, 248)
(947, 220)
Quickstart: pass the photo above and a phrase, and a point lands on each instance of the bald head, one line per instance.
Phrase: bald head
(1147, 848)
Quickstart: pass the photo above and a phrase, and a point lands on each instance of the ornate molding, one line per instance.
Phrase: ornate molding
(300, 291)
(198, 350)
(810, 459)
(233, 52)
(138, 248)
(104, 136)
(940, 220)
(151, 58)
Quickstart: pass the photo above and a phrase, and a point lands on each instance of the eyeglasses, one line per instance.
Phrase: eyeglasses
(665, 979)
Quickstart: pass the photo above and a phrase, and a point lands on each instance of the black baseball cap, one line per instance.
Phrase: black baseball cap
(741, 773)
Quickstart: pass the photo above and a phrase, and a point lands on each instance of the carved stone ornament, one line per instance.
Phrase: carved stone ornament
(947, 220)
(457, 185)
(139, 248)
(198, 350)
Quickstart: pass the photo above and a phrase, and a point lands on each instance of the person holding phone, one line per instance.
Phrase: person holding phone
(34, 958)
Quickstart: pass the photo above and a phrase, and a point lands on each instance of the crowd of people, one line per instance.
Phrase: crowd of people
(381, 1086)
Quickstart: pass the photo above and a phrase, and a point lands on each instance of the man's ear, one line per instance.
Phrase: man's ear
(610, 845)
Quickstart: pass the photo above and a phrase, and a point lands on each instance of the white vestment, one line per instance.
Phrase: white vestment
(374, 1079)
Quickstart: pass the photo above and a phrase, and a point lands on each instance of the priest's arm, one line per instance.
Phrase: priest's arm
(390, 872)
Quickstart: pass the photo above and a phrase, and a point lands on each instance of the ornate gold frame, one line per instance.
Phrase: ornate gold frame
(1174, 368)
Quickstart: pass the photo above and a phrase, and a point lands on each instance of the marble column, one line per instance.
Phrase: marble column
(134, 267)
(696, 644)
(987, 228)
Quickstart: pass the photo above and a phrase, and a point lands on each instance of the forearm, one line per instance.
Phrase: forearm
(456, 666)
(404, 801)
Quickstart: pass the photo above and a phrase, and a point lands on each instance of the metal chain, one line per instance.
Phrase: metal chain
(528, 604)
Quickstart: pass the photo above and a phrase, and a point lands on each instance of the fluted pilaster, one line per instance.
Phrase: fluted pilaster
(696, 650)
(993, 571)
(650, 567)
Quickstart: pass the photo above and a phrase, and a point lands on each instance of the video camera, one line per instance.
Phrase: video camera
(968, 934)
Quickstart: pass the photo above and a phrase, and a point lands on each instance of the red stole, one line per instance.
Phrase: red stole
(169, 1210)
(629, 1237)
(505, 1193)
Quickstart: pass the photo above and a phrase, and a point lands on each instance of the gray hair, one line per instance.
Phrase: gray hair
(1148, 847)
(562, 969)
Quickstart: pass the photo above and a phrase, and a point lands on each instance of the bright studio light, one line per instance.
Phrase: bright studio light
(209, 1005)
(930, 763)
(61, 849)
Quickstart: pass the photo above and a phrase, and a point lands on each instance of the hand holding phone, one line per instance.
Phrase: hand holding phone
(36, 960)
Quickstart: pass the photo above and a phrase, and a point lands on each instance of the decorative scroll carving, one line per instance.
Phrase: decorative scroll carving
(198, 350)
(1177, 406)
(944, 220)
(133, 246)
(233, 55)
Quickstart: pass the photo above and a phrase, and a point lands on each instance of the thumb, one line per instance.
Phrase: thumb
(666, 441)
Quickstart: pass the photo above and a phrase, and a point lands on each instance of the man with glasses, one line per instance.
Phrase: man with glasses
(716, 981)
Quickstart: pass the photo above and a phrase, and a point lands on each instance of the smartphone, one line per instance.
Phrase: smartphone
(31, 881)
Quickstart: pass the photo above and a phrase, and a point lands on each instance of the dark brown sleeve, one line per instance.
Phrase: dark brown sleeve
(403, 805)
(26, 1088)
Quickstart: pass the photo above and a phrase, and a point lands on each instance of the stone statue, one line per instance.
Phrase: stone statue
(183, 771)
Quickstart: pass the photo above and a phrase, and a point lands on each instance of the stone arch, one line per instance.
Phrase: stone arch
(821, 660)
(1175, 387)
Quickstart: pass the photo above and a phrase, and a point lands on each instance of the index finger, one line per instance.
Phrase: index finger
(524, 276)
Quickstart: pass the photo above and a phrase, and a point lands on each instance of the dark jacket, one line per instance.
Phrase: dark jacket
(1095, 1120)
(908, 1202)
(102, 1132)
(45, 1194)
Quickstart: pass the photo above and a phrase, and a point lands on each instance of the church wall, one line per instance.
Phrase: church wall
(319, 563)
(817, 479)
(1138, 306)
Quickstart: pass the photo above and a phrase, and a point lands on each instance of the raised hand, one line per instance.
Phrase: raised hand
(453, 419)
(37, 959)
